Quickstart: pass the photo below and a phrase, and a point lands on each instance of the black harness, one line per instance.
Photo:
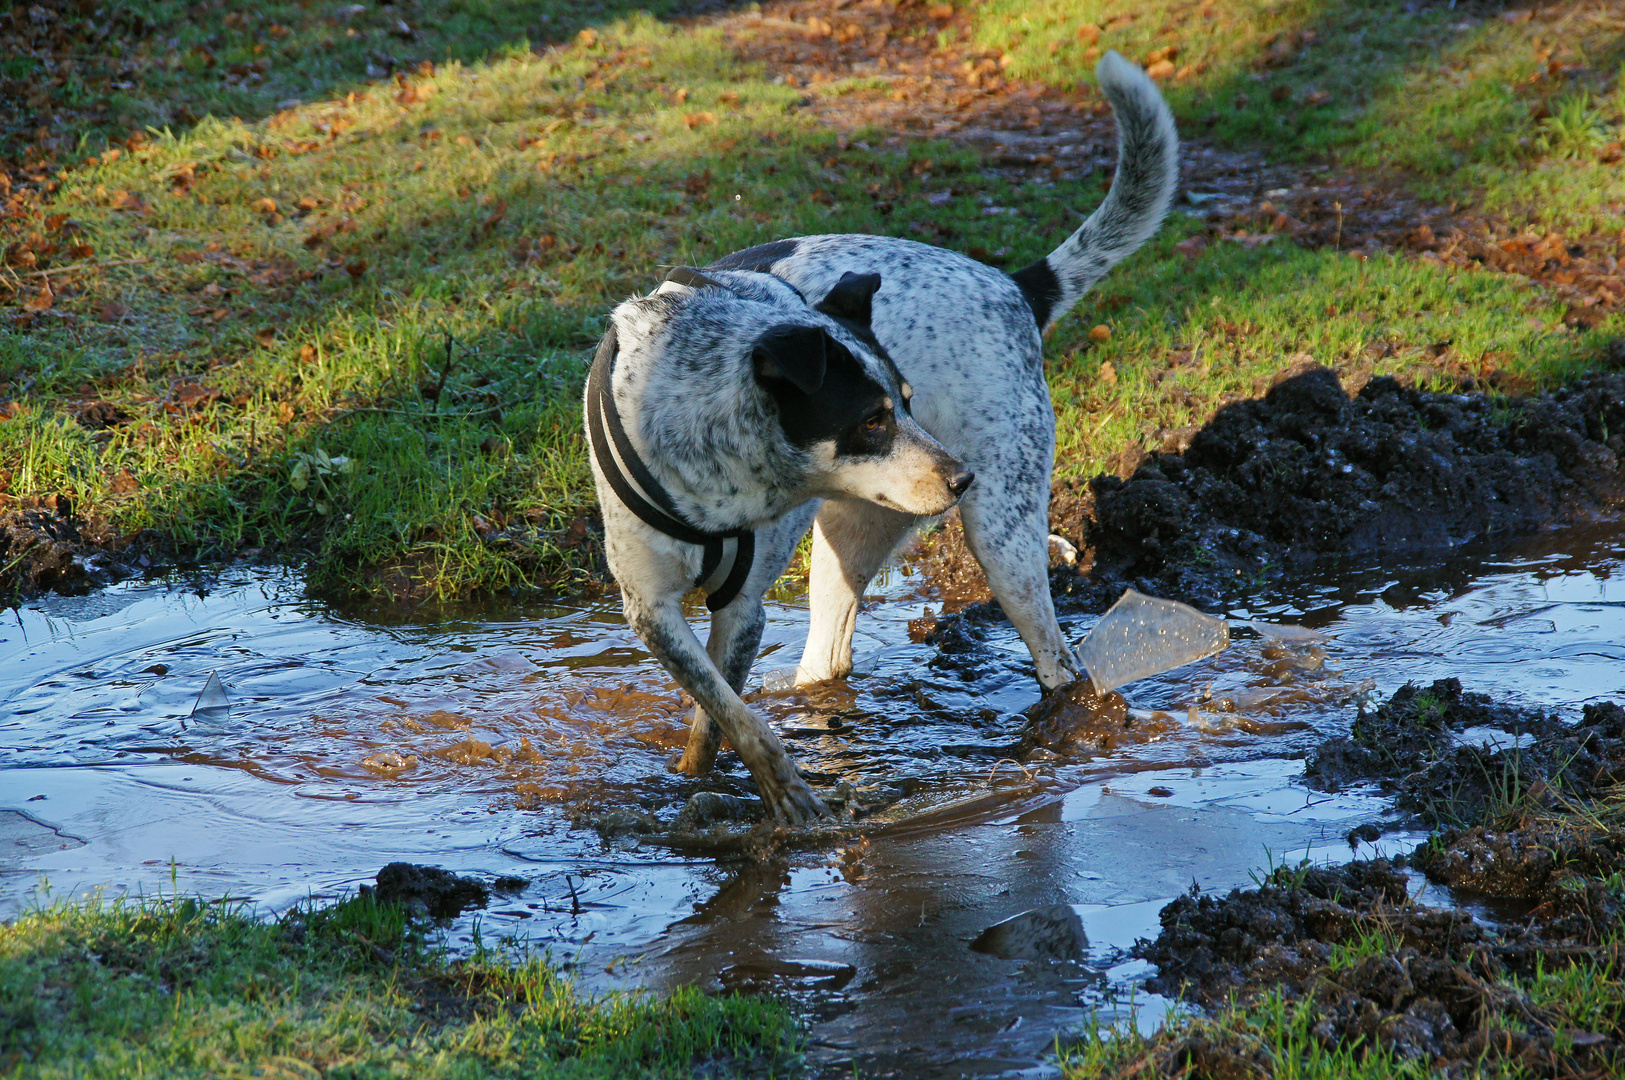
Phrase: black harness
(661, 514)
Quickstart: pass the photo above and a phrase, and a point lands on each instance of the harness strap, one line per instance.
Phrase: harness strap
(662, 514)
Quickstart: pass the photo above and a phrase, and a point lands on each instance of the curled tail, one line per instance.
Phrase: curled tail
(1142, 190)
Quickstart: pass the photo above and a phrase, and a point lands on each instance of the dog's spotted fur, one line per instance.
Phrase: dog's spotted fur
(961, 337)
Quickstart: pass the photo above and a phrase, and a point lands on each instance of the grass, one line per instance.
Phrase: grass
(1272, 1037)
(182, 988)
(408, 274)
(1457, 98)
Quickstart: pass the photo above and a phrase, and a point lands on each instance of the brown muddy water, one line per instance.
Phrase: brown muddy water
(490, 744)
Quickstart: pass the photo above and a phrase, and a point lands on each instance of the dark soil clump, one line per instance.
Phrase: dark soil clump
(428, 890)
(1308, 473)
(1409, 745)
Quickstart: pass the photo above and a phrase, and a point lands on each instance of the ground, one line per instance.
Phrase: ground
(319, 282)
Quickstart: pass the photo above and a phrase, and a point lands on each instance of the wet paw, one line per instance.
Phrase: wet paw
(796, 805)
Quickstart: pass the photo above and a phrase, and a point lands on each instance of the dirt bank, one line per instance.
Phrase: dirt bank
(1310, 472)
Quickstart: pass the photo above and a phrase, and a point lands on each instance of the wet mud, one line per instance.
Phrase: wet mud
(532, 742)
(46, 547)
(1431, 985)
(1449, 756)
(434, 893)
(1532, 865)
(1310, 473)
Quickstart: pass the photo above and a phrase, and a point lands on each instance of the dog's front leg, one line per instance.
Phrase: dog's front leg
(660, 623)
(736, 634)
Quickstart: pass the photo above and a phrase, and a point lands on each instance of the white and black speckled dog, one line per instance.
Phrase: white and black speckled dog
(850, 383)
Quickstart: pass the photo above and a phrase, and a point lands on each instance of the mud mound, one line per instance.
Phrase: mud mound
(1376, 971)
(1273, 936)
(1411, 745)
(1307, 472)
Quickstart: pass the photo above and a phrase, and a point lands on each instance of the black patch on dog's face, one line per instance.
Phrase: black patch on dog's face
(845, 406)
(1041, 288)
(759, 258)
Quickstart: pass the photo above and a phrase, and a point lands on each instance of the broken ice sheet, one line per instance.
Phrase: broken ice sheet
(1287, 634)
(213, 699)
(1143, 636)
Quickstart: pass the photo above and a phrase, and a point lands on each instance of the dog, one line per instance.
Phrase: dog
(856, 385)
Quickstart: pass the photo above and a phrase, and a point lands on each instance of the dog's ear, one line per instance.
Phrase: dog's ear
(792, 353)
(851, 298)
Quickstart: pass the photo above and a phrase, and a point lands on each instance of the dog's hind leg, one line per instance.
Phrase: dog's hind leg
(736, 634)
(1013, 549)
(851, 540)
(660, 623)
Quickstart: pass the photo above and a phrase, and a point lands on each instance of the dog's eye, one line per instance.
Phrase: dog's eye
(875, 422)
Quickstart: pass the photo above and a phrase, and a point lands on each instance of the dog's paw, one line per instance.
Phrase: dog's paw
(794, 804)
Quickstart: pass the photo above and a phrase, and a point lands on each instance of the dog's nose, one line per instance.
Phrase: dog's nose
(960, 481)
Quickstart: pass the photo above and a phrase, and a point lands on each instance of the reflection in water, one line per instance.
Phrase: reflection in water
(489, 745)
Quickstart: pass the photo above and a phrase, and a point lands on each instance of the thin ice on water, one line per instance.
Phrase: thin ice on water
(1143, 636)
(213, 699)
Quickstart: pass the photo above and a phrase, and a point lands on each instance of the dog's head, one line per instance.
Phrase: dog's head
(841, 402)
(751, 401)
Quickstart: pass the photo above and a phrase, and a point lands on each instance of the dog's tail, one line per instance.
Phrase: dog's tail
(1147, 174)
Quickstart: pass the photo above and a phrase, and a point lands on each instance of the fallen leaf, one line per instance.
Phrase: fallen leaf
(1192, 247)
(43, 299)
(1108, 372)
(111, 311)
(263, 206)
(356, 269)
(1089, 33)
(1100, 332)
(1161, 69)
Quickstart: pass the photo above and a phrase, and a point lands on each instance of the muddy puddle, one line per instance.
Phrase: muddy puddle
(533, 742)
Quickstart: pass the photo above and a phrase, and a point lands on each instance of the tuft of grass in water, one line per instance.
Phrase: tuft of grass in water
(180, 987)
(410, 275)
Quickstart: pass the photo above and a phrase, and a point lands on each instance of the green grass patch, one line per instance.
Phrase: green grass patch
(275, 293)
(184, 988)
